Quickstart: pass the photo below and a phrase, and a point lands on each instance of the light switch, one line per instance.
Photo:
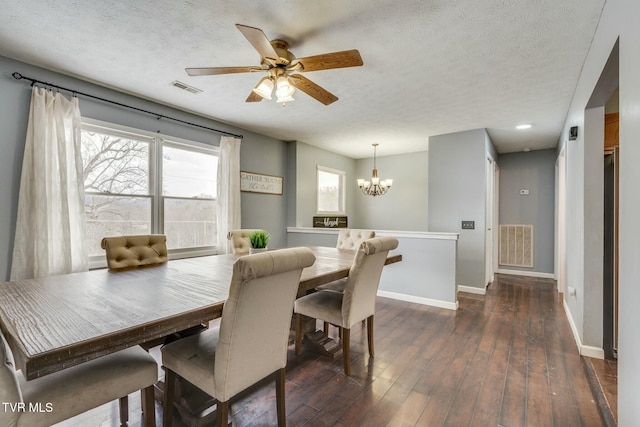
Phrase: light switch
(468, 225)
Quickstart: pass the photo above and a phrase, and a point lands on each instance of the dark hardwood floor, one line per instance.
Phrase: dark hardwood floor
(504, 359)
(603, 378)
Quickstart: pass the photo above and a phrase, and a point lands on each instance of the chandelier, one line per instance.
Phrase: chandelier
(375, 187)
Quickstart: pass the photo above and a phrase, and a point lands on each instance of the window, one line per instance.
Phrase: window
(189, 196)
(139, 184)
(330, 190)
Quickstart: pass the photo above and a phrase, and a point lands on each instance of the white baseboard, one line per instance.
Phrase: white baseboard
(472, 290)
(419, 300)
(584, 350)
(527, 273)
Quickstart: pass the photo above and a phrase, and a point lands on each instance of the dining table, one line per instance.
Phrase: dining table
(56, 322)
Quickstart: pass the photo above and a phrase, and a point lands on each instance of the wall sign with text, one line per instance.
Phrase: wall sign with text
(260, 183)
(330, 221)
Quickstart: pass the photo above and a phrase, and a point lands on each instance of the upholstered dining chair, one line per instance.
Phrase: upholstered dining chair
(251, 341)
(356, 303)
(239, 239)
(135, 251)
(349, 238)
(146, 250)
(72, 391)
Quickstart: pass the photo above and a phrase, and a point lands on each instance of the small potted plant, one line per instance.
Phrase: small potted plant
(259, 240)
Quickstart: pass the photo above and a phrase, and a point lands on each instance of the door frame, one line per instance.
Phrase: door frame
(560, 220)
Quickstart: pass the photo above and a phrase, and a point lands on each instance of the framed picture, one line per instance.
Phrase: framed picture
(252, 182)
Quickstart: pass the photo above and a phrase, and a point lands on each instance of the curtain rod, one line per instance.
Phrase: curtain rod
(19, 76)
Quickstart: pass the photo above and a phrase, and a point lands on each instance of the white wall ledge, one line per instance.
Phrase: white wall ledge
(381, 233)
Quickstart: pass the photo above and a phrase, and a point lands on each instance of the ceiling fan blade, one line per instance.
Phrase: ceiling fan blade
(327, 61)
(259, 41)
(253, 97)
(210, 71)
(312, 89)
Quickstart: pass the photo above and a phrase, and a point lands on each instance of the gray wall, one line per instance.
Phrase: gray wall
(618, 21)
(457, 187)
(266, 211)
(308, 158)
(405, 205)
(426, 275)
(592, 292)
(258, 153)
(534, 171)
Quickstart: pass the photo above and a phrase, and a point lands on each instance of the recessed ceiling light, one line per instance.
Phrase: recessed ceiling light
(522, 127)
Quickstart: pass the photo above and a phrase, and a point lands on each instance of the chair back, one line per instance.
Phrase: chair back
(135, 251)
(359, 300)
(351, 238)
(9, 387)
(239, 239)
(256, 318)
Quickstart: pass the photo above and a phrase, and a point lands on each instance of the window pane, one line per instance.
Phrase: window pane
(187, 173)
(115, 164)
(329, 192)
(190, 223)
(115, 216)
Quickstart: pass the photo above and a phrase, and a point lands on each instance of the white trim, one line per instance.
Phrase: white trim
(419, 300)
(526, 273)
(584, 350)
(380, 233)
(593, 352)
(472, 290)
(135, 133)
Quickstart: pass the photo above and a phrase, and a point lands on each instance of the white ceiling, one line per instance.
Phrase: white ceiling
(430, 66)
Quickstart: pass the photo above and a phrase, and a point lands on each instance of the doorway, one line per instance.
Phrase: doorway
(610, 259)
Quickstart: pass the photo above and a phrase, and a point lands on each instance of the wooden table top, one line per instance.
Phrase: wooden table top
(60, 321)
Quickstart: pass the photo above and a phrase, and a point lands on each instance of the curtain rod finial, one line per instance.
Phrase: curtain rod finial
(17, 76)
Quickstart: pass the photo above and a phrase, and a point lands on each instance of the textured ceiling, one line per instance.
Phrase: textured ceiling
(430, 66)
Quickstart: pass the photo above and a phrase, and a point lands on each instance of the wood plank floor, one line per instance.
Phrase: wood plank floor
(504, 359)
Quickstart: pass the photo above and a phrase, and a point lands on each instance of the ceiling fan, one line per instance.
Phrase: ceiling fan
(282, 68)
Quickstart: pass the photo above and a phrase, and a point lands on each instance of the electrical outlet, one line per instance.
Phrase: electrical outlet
(468, 225)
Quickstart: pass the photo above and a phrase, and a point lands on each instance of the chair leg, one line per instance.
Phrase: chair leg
(124, 410)
(298, 334)
(326, 327)
(149, 407)
(222, 414)
(167, 403)
(370, 334)
(280, 399)
(345, 351)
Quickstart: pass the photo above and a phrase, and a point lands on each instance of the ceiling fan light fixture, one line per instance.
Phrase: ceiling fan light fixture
(285, 99)
(264, 88)
(284, 89)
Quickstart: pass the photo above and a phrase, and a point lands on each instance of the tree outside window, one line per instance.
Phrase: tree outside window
(128, 192)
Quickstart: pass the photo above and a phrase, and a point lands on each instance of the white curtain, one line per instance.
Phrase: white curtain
(228, 206)
(50, 233)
